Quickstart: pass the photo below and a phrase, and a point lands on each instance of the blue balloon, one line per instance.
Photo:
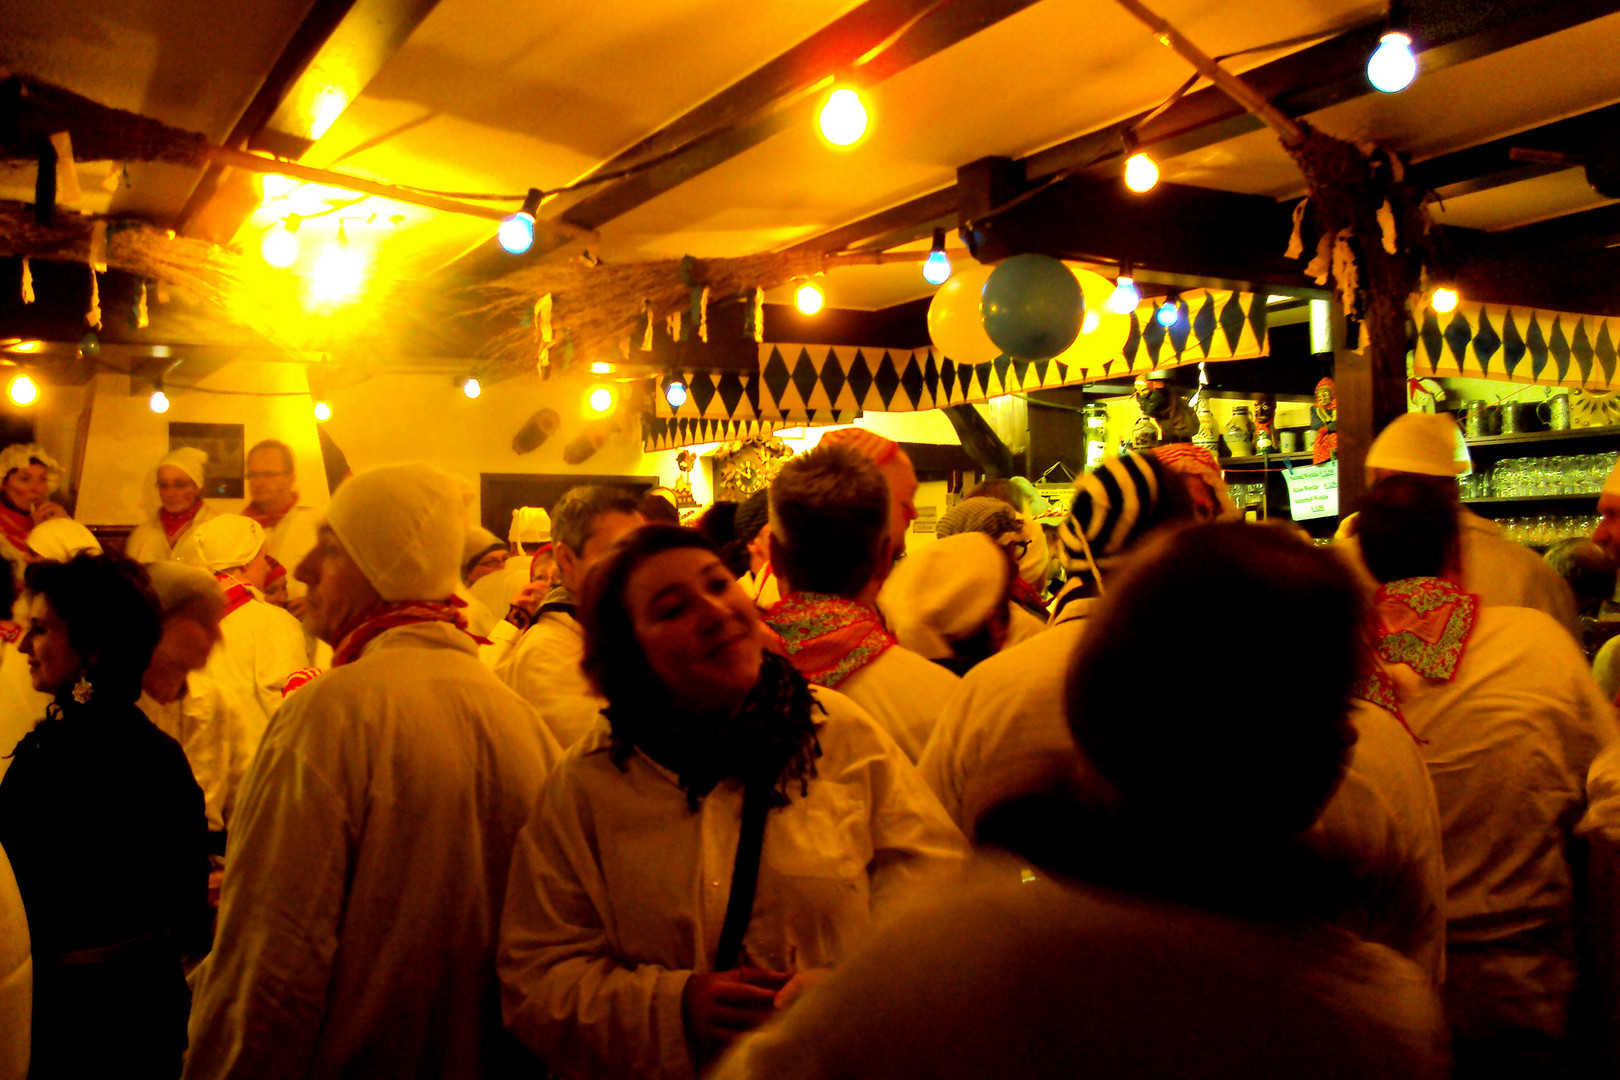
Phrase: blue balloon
(1032, 307)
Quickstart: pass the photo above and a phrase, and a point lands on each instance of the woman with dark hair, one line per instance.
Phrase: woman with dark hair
(726, 831)
(105, 829)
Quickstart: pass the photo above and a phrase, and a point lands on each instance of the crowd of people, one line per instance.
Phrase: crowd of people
(376, 792)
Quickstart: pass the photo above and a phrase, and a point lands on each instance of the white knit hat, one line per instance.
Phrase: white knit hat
(1429, 444)
(222, 543)
(404, 526)
(59, 539)
(946, 591)
(530, 525)
(189, 460)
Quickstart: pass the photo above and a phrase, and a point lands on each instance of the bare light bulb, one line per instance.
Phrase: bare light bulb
(323, 411)
(279, 247)
(22, 391)
(1141, 174)
(1444, 299)
(472, 388)
(338, 273)
(808, 298)
(159, 402)
(1392, 67)
(601, 399)
(1125, 297)
(843, 118)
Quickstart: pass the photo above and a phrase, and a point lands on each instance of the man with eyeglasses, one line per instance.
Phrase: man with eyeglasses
(289, 525)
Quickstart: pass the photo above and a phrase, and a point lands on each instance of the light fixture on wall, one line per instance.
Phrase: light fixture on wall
(937, 267)
(842, 118)
(22, 390)
(674, 392)
(516, 234)
(808, 298)
(323, 411)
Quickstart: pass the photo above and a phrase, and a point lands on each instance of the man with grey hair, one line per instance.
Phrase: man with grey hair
(289, 523)
(832, 549)
(544, 667)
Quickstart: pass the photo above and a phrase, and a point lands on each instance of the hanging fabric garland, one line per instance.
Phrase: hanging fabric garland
(703, 316)
(646, 326)
(542, 335)
(93, 316)
(27, 282)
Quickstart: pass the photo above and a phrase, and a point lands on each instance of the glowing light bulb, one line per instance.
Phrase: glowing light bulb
(1444, 299)
(1141, 174)
(601, 399)
(338, 273)
(1125, 297)
(276, 186)
(601, 367)
(843, 117)
(1168, 315)
(1089, 324)
(808, 298)
(472, 388)
(675, 393)
(279, 247)
(516, 234)
(1392, 67)
(23, 391)
(323, 411)
(937, 268)
(159, 402)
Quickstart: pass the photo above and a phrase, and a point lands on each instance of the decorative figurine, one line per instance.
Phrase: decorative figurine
(1325, 422)
(1239, 434)
(1166, 418)
(1265, 438)
(684, 461)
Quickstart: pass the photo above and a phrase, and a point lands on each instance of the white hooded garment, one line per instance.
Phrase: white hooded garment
(149, 543)
(1006, 734)
(619, 890)
(545, 668)
(16, 978)
(368, 859)
(210, 726)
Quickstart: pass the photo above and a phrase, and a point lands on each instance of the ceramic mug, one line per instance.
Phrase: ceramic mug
(1554, 412)
(1289, 440)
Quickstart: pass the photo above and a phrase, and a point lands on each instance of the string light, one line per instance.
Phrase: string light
(601, 367)
(159, 402)
(843, 117)
(1169, 312)
(22, 391)
(1392, 67)
(1444, 299)
(808, 298)
(472, 387)
(1125, 297)
(1141, 174)
(675, 393)
(280, 244)
(516, 234)
(339, 271)
(323, 411)
(937, 267)
(600, 399)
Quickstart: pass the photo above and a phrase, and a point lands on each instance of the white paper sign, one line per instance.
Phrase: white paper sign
(1313, 492)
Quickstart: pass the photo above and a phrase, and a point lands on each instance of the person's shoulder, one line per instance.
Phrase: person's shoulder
(913, 665)
(1528, 628)
(1041, 659)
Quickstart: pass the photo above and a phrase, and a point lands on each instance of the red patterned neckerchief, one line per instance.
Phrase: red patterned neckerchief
(1424, 623)
(10, 632)
(388, 616)
(827, 638)
(1028, 597)
(176, 524)
(270, 520)
(236, 592)
(16, 525)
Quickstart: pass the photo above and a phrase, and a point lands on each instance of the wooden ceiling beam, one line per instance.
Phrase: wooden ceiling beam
(335, 52)
(783, 93)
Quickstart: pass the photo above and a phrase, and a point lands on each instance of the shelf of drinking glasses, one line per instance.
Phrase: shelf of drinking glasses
(1502, 500)
(1612, 431)
(1267, 459)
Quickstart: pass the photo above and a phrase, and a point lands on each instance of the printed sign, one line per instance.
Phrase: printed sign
(1313, 492)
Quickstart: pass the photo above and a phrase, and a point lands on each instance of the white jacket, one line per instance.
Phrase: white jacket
(260, 645)
(16, 978)
(367, 863)
(293, 537)
(208, 723)
(1006, 734)
(148, 543)
(619, 890)
(1514, 743)
(905, 693)
(544, 668)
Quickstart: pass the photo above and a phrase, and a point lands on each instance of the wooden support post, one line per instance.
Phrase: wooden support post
(1372, 392)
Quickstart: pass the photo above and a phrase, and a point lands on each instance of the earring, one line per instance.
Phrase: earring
(82, 690)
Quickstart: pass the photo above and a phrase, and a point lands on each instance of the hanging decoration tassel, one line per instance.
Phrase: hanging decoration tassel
(759, 315)
(67, 173)
(542, 335)
(138, 312)
(27, 282)
(647, 326)
(93, 316)
(672, 326)
(703, 315)
(98, 247)
(677, 332)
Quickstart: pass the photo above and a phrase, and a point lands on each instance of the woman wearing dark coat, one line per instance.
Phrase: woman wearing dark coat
(105, 829)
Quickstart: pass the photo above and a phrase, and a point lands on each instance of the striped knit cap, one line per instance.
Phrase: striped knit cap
(1113, 504)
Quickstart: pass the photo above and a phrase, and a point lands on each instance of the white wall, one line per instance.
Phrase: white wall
(127, 438)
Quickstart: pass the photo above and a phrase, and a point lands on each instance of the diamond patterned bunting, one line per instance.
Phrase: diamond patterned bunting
(1524, 345)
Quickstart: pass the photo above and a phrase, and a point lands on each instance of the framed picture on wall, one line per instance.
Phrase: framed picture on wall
(224, 445)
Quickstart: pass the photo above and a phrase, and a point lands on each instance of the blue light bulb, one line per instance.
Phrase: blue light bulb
(1168, 314)
(516, 233)
(1125, 297)
(937, 268)
(1392, 67)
